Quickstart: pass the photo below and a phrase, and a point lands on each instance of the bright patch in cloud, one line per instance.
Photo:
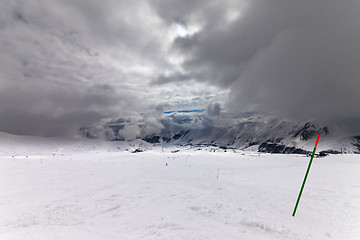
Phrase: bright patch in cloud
(181, 30)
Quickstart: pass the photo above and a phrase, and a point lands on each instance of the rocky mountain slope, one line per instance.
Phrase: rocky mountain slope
(253, 131)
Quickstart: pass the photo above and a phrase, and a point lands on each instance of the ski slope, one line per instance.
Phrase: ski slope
(116, 194)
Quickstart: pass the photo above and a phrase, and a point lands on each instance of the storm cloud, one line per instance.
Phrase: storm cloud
(295, 59)
(67, 64)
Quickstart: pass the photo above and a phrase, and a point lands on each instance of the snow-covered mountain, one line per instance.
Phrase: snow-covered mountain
(31, 145)
(253, 131)
(269, 135)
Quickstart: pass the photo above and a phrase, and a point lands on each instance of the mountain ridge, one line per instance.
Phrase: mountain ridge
(250, 130)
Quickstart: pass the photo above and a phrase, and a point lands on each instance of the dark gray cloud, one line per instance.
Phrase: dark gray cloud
(296, 59)
(213, 110)
(56, 109)
(177, 77)
(65, 64)
(177, 11)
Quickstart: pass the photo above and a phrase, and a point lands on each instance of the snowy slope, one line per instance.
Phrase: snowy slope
(30, 145)
(121, 195)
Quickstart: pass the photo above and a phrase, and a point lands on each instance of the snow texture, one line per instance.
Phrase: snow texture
(100, 190)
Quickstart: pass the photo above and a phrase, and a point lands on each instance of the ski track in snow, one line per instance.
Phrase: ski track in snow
(123, 195)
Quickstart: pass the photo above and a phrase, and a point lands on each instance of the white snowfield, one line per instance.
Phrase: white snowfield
(89, 192)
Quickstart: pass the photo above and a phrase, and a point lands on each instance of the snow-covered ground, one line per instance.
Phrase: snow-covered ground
(102, 194)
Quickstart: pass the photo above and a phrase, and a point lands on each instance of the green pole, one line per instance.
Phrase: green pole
(306, 175)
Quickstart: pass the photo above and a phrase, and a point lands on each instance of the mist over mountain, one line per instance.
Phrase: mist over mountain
(252, 130)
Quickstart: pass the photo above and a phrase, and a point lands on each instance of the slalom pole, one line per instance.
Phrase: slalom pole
(307, 172)
(217, 174)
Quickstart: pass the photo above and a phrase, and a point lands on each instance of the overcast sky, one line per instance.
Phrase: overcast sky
(69, 63)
